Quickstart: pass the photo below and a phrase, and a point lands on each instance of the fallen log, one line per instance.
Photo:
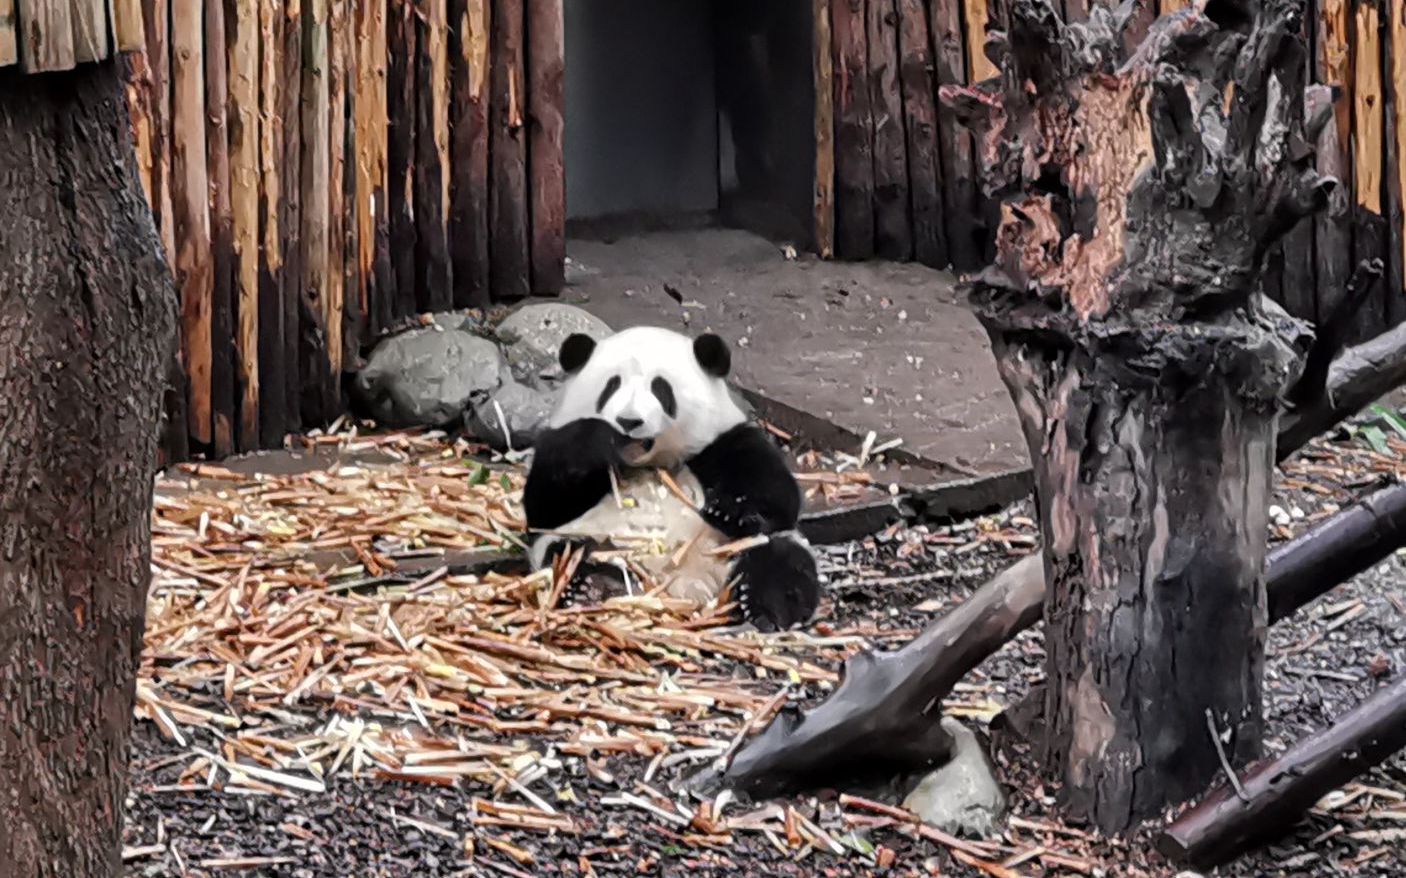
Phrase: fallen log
(1272, 795)
(884, 706)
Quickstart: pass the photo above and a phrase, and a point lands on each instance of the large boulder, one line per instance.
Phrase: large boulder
(525, 409)
(532, 336)
(427, 377)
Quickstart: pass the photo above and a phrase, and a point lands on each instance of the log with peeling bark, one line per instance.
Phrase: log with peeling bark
(854, 133)
(1103, 320)
(433, 286)
(509, 259)
(293, 276)
(468, 108)
(1271, 796)
(893, 230)
(886, 703)
(546, 105)
(222, 305)
(400, 151)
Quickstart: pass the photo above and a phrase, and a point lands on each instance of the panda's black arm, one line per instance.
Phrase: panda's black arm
(570, 472)
(747, 486)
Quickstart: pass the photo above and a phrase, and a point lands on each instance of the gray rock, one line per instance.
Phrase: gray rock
(532, 336)
(963, 796)
(526, 410)
(427, 377)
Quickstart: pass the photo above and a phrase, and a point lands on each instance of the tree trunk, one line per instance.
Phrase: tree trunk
(1137, 203)
(87, 320)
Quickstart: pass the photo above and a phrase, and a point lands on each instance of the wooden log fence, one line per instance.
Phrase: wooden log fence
(320, 170)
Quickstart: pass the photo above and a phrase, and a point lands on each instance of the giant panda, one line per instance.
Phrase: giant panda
(647, 399)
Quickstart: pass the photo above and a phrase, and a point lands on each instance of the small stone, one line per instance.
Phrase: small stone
(963, 795)
(532, 336)
(1279, 516)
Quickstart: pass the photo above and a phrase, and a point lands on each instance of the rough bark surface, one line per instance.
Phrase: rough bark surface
(87, 324)
(1138, 197)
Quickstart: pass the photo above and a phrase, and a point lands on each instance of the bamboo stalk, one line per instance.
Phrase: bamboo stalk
(433, 287)
(546, 82)
(46, 28)
(222, 354)
(245, 138)
(824, 195)
(90, 36)
(508, 247)
(191, 198)
(468, 217)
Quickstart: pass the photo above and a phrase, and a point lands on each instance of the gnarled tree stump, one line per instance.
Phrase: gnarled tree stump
(1138, 197)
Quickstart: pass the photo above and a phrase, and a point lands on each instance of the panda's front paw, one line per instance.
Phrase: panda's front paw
(779, 586)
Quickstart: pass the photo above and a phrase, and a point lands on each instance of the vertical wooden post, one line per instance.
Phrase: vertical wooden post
(893, 230)
(433, 285)
(126, 23)
(9, 38)
(158, 55)
(373, 224)
(272, 384)
(293, 280)
(313, 334)
(334, 304)
(508, 254)
(139, 106)
(353, 322)
(46, 34)
(1332, 228)
(546, 89)
(823, 67)
(1369, 235)
(1395, 112)
(188, 161)
(854, 144)
(221, 231)
(401, 151)
(90, 36)
(920, 124)
(244, 140)
(959, 195)
(468, 219)
(979, 67)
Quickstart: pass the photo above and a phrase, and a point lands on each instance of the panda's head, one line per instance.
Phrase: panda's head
(658, 387)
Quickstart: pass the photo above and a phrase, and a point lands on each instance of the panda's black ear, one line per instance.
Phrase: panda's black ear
(575, 351)
(713, 355)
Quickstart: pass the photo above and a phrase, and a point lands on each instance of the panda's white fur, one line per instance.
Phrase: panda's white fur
(637, 355)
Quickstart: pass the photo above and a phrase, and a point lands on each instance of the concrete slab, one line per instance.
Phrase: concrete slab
(875, 346)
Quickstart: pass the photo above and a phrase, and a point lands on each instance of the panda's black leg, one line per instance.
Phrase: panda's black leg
(778, 586)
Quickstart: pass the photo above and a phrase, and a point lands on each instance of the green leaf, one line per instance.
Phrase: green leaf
(1375, 438)
(506, 482)
(1393, 418)
(480, 475)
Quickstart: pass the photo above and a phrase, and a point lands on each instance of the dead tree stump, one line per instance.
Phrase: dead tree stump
(1138, 195)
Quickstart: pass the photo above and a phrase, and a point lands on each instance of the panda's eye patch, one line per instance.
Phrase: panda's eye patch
(664, 392)
(610, 387)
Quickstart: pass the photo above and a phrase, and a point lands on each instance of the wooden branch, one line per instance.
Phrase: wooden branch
(546, 104)
(244, 140)
(1358, 377)
(823, 68)
(1278, 791)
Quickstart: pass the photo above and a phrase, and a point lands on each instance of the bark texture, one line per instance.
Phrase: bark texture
(87, 323)
(1139, 194)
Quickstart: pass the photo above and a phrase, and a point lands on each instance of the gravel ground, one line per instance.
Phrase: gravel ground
(1324, 660)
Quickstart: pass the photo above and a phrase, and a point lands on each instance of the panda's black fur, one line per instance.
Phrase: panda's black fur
(655, 389)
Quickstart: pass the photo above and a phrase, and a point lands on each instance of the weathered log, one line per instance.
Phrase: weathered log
(9, 38)
(468, 217)
(1369, 231)
(316, 402)
(959, 198)
(1332, 231)
(854, 133)
(510, 271)
(893, 229)
(893, 697)
(377, 289)
(546, 106)
(433, 285)
(339, 61)
(293, 276)
(1394, 116)
(273, 408)
(1272, 795)
(244, 140)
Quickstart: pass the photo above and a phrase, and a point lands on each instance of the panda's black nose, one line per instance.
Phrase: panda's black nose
(628, 424)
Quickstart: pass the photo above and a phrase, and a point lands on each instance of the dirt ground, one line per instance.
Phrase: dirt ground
(1324, 660)
(876, 345)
